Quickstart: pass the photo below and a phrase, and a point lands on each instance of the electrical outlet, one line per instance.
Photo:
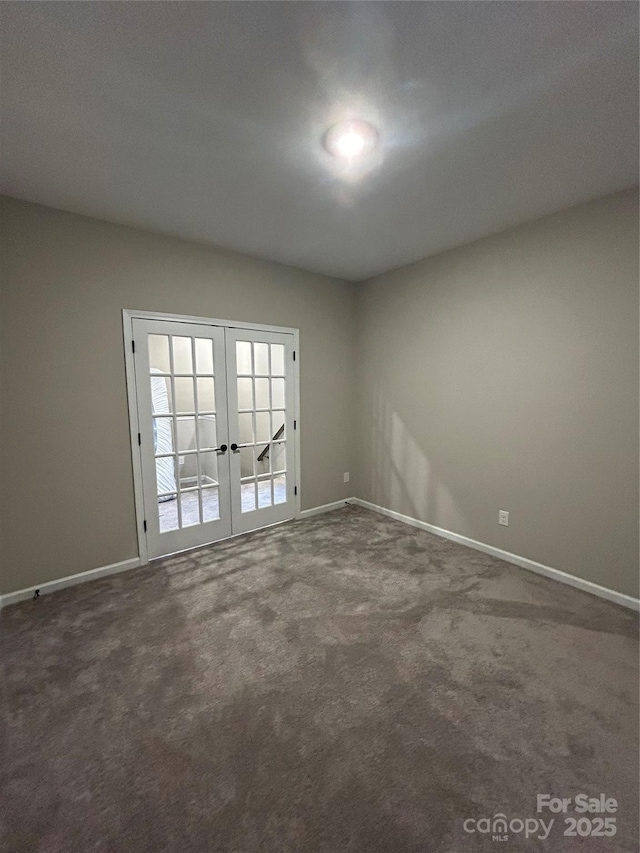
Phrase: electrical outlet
(346, 477)
(503, 517)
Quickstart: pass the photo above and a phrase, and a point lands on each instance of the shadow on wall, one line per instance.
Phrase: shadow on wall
(402, 478)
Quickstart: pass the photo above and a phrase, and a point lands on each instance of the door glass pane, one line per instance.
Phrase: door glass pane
(160, 395)
(247, 462)
(182, 361)
(280, 490)
(184, 394)
(243, 357)
(245, 393)
(204, 355)
(210, 504)
(278, 454)
(277, 393)
(278, 425)
(190, 506)
(186, 437)
(262, 459)
(277, 360)
(262, 426)
(188, 468)
(261, 356)
(168, 513)
(262, 393)
(207, 432)
(166, 474)
(208, 469)
(245, 427)
(159, 353)
(206, 395)
(263, 452)
(162, 435)
(264, 493)
(248, 496)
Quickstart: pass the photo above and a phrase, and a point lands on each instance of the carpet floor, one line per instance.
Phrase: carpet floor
(342, 683)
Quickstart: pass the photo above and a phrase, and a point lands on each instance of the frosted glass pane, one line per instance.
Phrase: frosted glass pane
(186, 437)
(243, 357)
(182, 361)
(204, 355)
(262, 393)
(185, 401)
(261, 354)
(277, 393)
(245, 393)
(206, 395)
(210, 504)
(262, 426)
(207, 432)
(277, 360)
(159, 353)
(245, 427)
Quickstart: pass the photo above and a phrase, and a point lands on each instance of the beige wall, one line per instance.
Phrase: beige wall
(66, 502)
(504, 375)
(501, 375)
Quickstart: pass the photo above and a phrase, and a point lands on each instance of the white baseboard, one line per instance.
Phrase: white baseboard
(524, 563)
(316, 510)
(69, 580)
(123, 566)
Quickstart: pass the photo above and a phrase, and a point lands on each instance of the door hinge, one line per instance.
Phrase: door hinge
(295, 490)
(295, 424)
(139, 440)
(145, 525)
(294, 355)
(133, 346)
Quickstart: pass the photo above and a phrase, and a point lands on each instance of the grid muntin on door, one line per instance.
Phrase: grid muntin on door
(187, 427)
(262, 431)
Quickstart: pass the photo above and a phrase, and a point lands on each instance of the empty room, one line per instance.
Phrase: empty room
(319, 383)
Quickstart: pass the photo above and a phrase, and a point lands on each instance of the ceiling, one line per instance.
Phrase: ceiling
(204, 120)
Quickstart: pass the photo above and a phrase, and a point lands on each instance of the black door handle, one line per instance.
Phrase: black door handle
(234, 447)
(221, 449)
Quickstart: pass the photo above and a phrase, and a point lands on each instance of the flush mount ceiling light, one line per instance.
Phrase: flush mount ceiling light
(351, 139)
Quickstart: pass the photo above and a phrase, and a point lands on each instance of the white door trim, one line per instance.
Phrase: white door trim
(128, 316)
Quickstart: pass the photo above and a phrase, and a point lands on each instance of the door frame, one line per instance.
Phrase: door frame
(128, 315)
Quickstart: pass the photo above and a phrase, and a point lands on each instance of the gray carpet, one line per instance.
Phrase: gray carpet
(344, 683)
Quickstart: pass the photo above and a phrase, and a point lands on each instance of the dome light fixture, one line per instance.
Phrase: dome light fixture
(351, 139)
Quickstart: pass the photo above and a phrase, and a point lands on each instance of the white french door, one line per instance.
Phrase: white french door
(215, 412)
(261, 423)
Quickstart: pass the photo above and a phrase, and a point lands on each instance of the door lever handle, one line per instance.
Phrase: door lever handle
(235, 447)
(221, 449)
